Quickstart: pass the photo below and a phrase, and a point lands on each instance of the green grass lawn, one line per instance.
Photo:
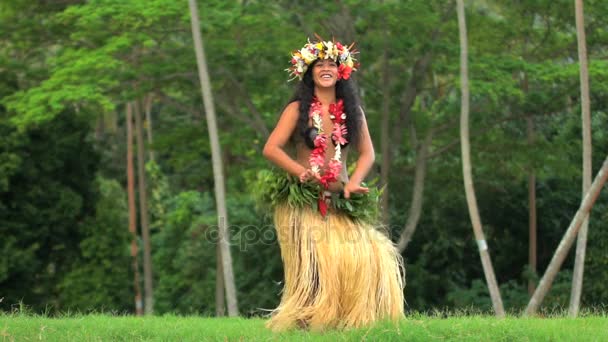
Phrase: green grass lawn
(414, 328)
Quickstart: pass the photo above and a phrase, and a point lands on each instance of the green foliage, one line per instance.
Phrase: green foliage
(514, 294)
(101, 278)
(257, 263)
(595, 283)
(274, 187)
(185, 247)
(159, 194)
(184, 256)
(49, 195)
(11, 141)
(89, 76)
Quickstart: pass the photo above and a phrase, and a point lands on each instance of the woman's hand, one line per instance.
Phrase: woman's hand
(354, 188)
(308, 175)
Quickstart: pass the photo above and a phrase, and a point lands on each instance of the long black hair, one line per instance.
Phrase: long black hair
(345, 90)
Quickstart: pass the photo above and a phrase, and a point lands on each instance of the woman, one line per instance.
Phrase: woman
(340, 272)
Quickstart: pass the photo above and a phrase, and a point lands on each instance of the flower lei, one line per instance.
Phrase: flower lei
(317, 156)
(301, 59)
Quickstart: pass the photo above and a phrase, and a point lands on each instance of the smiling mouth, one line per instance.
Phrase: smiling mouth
(326, 76)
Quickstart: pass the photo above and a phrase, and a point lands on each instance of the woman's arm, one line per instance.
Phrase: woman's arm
(273, 150)
(364, 163)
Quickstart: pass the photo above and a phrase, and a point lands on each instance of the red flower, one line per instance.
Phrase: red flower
(324, 181)
(317, 157)
(315, 106)
(337, 109)
(328, 177)
(339, 134)
(344, 71)
(321, 141)
(322, 206)
(335, 167)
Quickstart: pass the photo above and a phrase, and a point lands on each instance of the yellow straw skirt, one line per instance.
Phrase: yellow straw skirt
(339, 273)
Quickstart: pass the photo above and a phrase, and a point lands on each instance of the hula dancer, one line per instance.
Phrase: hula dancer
(340, 271)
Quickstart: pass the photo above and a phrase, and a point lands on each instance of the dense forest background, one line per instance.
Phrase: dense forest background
(70, 71)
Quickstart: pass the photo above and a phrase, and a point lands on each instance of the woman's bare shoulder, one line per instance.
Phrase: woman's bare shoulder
(293, 106)
(291, 111)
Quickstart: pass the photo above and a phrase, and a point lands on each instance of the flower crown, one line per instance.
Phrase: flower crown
(301, 59)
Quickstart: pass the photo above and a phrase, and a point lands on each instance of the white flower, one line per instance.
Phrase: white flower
(344, 56)
(338, 153)
(332, 51)
(308, 56)
(317, 121)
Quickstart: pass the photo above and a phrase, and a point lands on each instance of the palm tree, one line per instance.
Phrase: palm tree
(148, 111)
(143, 212)
(132, 210)
(581, 244)
(218, 173)
(466, 167)
(564, 246)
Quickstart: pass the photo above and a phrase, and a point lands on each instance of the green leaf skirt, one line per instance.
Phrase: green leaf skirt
(275, 187)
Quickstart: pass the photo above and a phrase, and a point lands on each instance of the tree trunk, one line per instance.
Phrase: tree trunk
(239, 92)
(581, 244)
(148, 111)
(408, 99)
(385, 128)
(220, 300)
(99, 129)
(416, 205)
(143, 213)
(132, 211)
(564, 246)
(218, 173)
(391, 138)
(532, 228)
(466, 167)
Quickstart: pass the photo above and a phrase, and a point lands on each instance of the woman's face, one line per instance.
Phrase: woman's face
(325, 73)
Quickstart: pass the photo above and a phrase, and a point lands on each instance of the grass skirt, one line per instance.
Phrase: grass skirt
(339, 272)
